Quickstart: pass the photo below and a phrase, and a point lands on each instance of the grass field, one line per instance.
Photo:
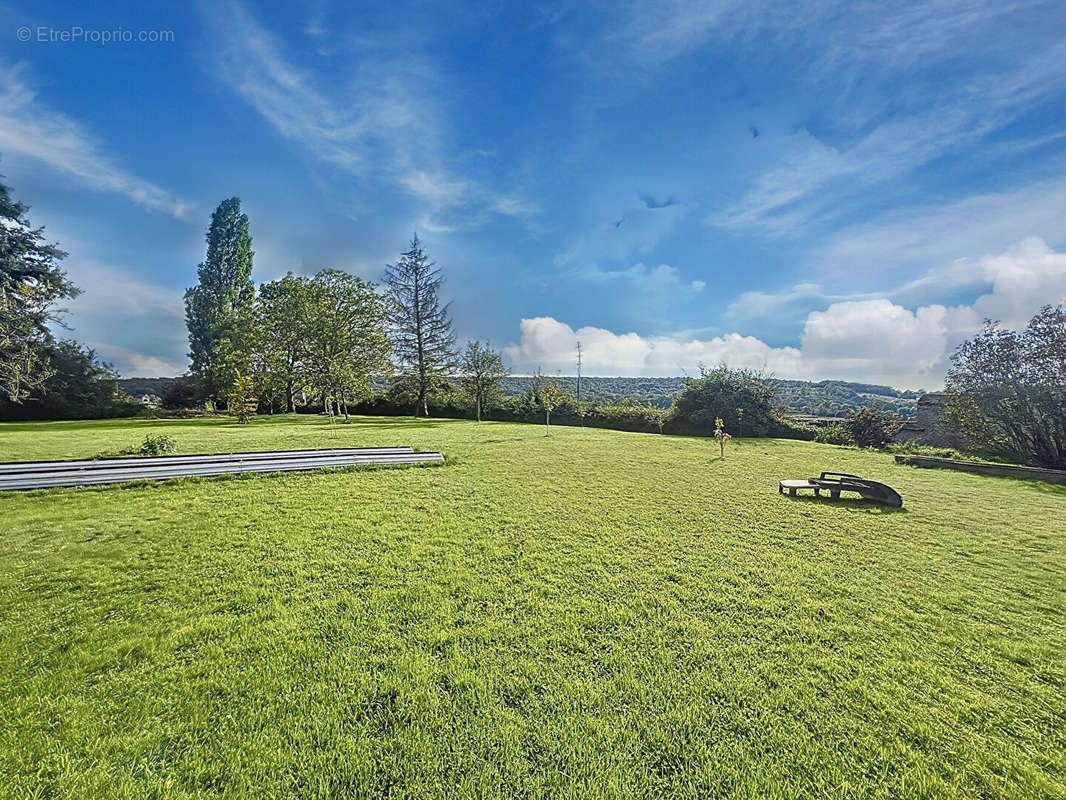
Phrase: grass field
(590, 614)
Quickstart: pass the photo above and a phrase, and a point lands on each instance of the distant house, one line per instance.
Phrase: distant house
(930, 424)
(151, 399)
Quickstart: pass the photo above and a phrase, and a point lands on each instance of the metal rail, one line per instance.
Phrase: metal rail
(22, 467)
(224, 464)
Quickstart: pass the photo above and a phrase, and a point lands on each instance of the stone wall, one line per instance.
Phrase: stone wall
(983, 468)
(930, 425)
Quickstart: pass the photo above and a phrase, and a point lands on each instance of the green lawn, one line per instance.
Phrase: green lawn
(590, 614)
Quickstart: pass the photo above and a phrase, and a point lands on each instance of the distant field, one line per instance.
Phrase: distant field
(590, 614)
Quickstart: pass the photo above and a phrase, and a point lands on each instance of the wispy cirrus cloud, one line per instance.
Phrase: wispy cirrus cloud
(383, 123)
(814, 178)
(879, 92)
(29, 129)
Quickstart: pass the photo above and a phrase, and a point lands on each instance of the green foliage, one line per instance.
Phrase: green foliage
(592, 614)
(839, 398)
(1007, 390)
(482, 371)
(77, 386)
(422, 338)
(344, 337)
(31, 283)
(219, 309)
(282, 355)
(834, 433)
(182, 392)
(818, 399)
(721, 436)
(241, 401)
(158, 445)
(916, 449)
(743, 399)
(871, 428)
(551, 397)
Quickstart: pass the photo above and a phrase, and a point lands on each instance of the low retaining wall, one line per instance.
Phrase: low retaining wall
(982, 468)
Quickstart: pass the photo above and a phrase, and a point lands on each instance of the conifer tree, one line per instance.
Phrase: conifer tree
(422, 338)
(30, 283)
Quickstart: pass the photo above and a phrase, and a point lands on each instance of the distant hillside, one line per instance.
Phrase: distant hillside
(821, 399)
(837, 398)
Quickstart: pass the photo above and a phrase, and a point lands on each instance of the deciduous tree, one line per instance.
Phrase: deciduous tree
(241, 401)
(1007, 390)
(551, 397)
(482, 370)
(346, 338)
(283, 317)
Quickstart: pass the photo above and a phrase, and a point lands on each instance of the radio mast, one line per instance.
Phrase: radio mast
(579, 373)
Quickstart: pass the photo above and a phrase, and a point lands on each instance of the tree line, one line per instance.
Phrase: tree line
(323, 339)
(328, 341)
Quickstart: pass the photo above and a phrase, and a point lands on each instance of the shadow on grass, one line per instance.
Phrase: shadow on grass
(848, 503)
(1048, 488)
(393, 422)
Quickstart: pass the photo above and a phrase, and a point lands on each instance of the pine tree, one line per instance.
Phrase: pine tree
(219, 309)
(30, 283)
(422, 338)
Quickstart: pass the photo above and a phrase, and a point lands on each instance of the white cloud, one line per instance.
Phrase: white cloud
(873, 340)
(1024, 278)
(876, 336)
(29, 128)
(550, 345)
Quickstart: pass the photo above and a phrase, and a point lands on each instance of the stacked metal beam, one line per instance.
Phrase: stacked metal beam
(53, 474)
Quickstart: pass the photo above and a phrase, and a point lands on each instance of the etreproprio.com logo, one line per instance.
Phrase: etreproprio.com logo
(76, 34)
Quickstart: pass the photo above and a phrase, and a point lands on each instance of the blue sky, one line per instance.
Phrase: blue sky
(824, 190)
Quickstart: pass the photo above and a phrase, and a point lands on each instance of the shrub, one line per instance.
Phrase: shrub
(834, 433)
(917, 449)
(158, 446)
(742, 398)
(871, 428)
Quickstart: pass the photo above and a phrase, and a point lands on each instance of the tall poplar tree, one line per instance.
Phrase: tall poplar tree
(422, 338)
(219, 309)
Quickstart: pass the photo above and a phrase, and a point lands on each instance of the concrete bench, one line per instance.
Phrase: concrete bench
(792, 486)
